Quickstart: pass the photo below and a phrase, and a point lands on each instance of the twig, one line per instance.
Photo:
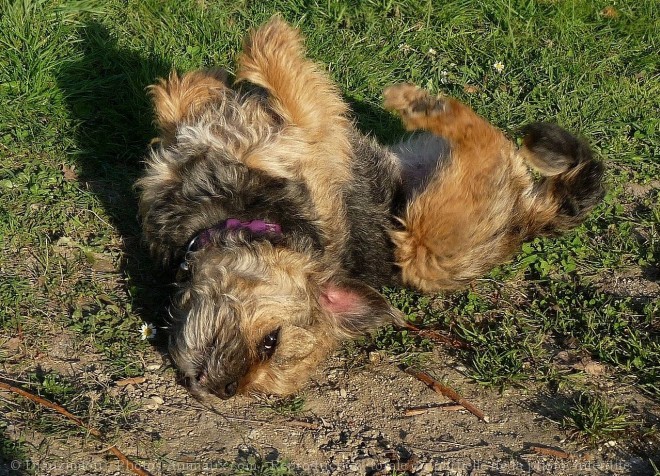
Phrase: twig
(302, 424)
(99, 218)
(457, 447)
(448, 392)
(414, 411)
(451, 341)
(128, 464)
(540, 450)
(292, 422)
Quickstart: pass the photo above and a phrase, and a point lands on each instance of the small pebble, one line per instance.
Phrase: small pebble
(156, 399)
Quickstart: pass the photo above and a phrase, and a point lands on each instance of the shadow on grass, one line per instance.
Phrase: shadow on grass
(106, 96)
(105, 89)
(13, 459)
(375, 121)
(558, 407)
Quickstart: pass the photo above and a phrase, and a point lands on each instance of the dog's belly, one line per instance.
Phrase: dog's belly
(420, 157)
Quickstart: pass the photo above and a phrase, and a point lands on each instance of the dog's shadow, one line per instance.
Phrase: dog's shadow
(373, 120)
(105, 90)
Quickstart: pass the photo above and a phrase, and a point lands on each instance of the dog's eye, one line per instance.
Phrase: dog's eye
(269, 344)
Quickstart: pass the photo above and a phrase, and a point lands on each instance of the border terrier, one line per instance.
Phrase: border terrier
(284, 219)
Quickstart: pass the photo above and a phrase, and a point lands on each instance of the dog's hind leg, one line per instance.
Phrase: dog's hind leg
(273, 58)
(312, 144)
(480, 205)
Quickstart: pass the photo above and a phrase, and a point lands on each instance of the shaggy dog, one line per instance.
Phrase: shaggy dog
(285, 219)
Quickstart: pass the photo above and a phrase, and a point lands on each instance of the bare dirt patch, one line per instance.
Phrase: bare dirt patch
(353, 422)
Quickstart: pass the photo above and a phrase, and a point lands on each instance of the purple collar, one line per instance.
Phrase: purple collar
(257, 227)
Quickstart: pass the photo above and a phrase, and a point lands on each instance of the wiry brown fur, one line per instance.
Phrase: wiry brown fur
(271, 57)
(475, 213)
(179, 99)
(277, 145)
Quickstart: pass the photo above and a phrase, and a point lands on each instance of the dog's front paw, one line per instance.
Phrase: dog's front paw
(409, 101)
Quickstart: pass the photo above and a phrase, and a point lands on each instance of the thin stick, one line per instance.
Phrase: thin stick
(447, 392)
(451, 341)
(294, 423)
(128, 464)
(550, 452)
(414, 411)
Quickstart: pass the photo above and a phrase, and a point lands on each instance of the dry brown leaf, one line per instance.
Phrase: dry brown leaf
(12, 344)
(410, 412)
(590, 367)
(610, 12)
(102, 264)
(69, 172)
(130, 381)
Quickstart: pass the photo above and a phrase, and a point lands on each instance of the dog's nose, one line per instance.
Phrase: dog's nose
(230, 389)
(225, 391)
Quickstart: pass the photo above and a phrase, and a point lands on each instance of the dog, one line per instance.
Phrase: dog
(285, 220)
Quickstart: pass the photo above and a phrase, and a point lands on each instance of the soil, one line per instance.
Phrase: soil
(353, 422)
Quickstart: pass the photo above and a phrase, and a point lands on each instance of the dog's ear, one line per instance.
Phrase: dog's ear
(179, 98)
(357, 308)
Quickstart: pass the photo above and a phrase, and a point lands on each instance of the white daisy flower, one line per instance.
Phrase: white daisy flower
(499, 66)
(444, 77)
(148, 331)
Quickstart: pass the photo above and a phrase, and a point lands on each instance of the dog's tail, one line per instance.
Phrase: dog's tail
(572, 179)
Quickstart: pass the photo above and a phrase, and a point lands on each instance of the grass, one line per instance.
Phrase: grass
(255, 465)
(75, 121)
(12, 450)
(287, 406)
(594, 419)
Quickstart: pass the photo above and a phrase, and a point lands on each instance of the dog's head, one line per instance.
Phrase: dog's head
(258, 318)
